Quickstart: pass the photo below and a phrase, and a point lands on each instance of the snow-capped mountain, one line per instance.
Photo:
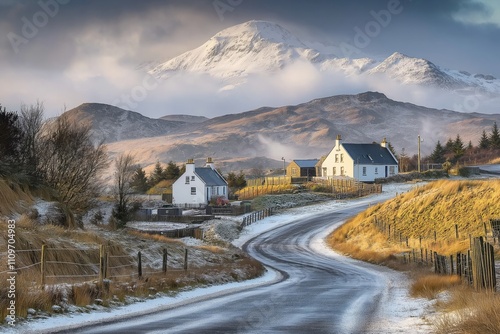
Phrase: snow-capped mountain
(260, 48)
(251, 47)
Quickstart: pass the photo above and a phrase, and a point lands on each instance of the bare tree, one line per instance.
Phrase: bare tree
(124, 171)
(70, 163)
(30, 122)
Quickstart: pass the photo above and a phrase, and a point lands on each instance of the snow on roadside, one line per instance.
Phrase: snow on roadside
(161, 302)
(398, 312)
(141, 307)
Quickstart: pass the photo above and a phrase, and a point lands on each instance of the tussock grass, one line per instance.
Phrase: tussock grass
(77, 252)
(469, 312)
(437, 206)
(212, 248)
(155, 237)
(429, 285)
(252, 192)
(13, 197)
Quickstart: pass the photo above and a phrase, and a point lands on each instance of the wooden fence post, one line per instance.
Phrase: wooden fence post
(106, 265)
(101, 264)
(451, 265)
(456, 231)
(185, 258)
(139, 264)
(165, 258)
(42, 267)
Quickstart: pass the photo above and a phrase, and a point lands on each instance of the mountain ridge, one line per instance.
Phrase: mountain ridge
(305, 130)
(262, 47)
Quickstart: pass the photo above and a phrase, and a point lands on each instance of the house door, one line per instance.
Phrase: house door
(386, 167)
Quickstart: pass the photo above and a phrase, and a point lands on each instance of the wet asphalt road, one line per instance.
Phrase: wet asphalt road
(315, 294)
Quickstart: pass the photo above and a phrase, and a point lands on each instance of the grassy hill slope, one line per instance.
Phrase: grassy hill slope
(435, 207)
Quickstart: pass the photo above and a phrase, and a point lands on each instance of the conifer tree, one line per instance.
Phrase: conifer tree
(437, 155)
(484, 142)
(157, 175)
(448, 147)
(172, 171)
(458, 147)
(139, 181)
(495, 137)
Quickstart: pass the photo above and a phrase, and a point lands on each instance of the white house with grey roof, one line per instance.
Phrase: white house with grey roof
(363, 162)
(198, 185)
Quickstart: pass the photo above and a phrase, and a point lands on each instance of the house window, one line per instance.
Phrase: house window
(364, 171)
(187, 179)
(324, 171)
(376, 170)
(334, 170)
(223, 190)
(193, 190)
(192, 178)
(341, 157)
(336, 158)
(294, 171)
(391, 170)
(342, 170)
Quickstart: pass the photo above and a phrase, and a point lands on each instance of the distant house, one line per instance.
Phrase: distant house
(363, 162)
(198, 185)
(319, 170)
(302, 168)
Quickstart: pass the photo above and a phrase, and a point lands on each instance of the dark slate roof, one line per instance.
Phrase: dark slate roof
(370, 154)
(209, 176)
(309, 163)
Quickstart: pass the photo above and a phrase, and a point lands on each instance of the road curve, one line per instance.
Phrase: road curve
(316, 294)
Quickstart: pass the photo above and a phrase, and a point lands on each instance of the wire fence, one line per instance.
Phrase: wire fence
(52, 265)
(476, 266)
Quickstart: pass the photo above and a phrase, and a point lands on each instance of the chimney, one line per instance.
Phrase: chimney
(210, 163)
(190, 166)
(384, 143)
(337, 142)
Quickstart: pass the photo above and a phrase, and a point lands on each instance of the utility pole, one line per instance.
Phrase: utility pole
(284, 170)
(419, 140)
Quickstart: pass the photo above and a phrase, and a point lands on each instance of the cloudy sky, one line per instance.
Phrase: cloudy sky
(68, 52)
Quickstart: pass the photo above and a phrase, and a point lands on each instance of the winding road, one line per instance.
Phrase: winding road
(314, 292)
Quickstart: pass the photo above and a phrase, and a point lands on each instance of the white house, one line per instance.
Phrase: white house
(198, 185)
(363, 162)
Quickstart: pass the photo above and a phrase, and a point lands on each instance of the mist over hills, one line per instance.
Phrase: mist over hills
(261, 137)
(255, 48)
(258, 61)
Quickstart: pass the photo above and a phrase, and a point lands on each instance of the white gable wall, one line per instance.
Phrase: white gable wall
(339, 159)
(182, 192)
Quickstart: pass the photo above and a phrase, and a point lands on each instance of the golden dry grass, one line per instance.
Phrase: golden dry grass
(469, 312)
(437, 206)
(429, 285)
(155, 237)
(68, 253)
(13, 197)
(252, 192)
(212, 249)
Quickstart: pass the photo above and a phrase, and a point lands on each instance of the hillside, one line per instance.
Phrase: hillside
(435, 207)
(262, 136)
(112, 124)
(73, 259)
